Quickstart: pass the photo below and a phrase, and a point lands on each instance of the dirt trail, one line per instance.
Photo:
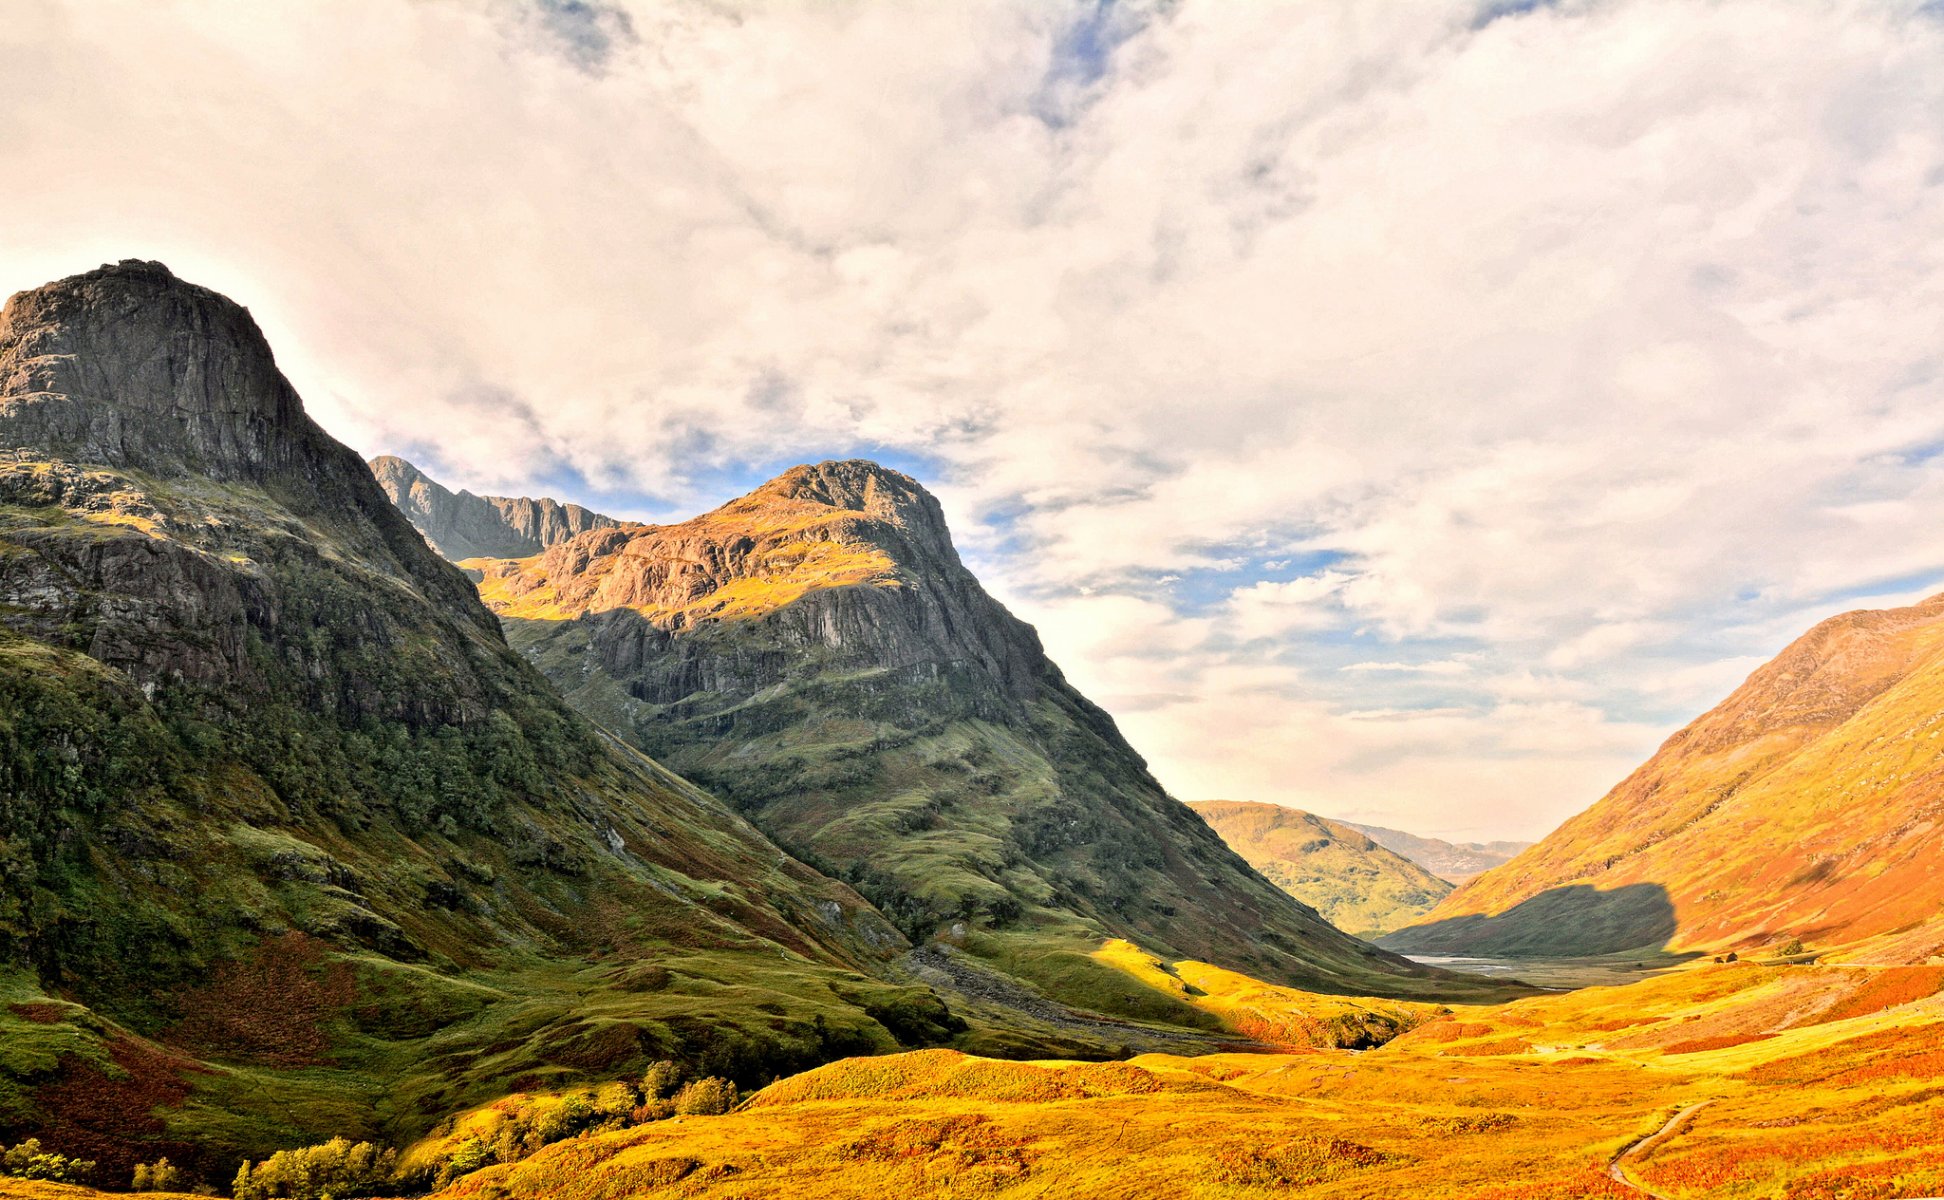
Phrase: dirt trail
(1617, 1166)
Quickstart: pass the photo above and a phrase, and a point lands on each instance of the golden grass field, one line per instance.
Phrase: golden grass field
(1819, 1082)
(1814, 1082)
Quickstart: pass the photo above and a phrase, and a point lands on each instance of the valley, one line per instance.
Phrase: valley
(766, 854)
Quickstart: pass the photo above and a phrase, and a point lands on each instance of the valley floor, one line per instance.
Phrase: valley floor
(1736, 1080)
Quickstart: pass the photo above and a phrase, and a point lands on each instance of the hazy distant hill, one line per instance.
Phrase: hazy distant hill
(1358, 885)
(1807, 805)
(1452, 861)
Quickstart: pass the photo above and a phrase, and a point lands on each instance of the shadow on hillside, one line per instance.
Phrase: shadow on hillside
(1567, 922)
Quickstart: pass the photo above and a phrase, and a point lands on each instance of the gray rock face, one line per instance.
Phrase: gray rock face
(130, 366)
(915, 612)
(460, 525)
(120, 384)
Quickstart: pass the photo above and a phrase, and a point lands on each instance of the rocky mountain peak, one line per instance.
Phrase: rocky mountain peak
(128, 365)
(463, 526)
(856, 484)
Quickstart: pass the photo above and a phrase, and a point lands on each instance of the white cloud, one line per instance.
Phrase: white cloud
(1590, 347)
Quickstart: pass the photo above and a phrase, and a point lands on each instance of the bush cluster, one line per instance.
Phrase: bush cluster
(519, 1131)
(28, 1161)
(339, 1167)
(158, 1176)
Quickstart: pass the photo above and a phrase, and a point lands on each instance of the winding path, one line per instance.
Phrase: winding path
(1617, 1165)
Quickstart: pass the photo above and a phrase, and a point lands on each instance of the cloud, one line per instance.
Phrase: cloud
(1590, 345)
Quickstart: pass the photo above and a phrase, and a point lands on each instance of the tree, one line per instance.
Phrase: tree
(706, 1098)
(160, 1176)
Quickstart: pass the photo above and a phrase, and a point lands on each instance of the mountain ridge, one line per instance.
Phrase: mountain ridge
(460, 525)
(815, 652)
(1454, 862)
(1801, 808)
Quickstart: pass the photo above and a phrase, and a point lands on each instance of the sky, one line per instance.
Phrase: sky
(1407, 410)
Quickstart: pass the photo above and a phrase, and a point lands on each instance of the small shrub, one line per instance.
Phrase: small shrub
(564, 1120)
(1297, 1163)
(1484, 1122)
(705, 1098)
(615, 1103)
(469, 1156)
(159, 1176)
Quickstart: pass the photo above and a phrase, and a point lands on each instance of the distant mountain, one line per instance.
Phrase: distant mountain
(1806, 806)
(460, 525)
(1454, 862)
(815, 653)
(1359, 886)
(292, 845)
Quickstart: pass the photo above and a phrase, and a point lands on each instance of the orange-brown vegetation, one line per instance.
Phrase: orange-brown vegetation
(1804, 806)
(1800, 1103)
(96, 1111)
(270, 1007)
(1723, 1042)
(1891, 987)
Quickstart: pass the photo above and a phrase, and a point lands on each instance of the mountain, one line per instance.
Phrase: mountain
(1454, 862)
(291, 843)
(460, 525)
(1805, 807)
(1355, 883)
(816, 654)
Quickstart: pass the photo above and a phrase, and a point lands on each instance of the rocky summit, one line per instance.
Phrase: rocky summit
(292, 845)
(816, 653)
(1801, 813)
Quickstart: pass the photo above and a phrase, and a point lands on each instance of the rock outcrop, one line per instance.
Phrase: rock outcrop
(461, 526)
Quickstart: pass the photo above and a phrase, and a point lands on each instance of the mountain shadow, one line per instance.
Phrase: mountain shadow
(1575, 921)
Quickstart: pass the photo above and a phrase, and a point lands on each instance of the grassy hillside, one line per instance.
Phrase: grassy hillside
(1758, 1080)
(1356, 884)
(1803, 808)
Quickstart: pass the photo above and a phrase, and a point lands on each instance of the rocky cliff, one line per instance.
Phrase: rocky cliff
(291, 843)
(1356, 884)
(1805, 807)
(460, 525)
(816, 653)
